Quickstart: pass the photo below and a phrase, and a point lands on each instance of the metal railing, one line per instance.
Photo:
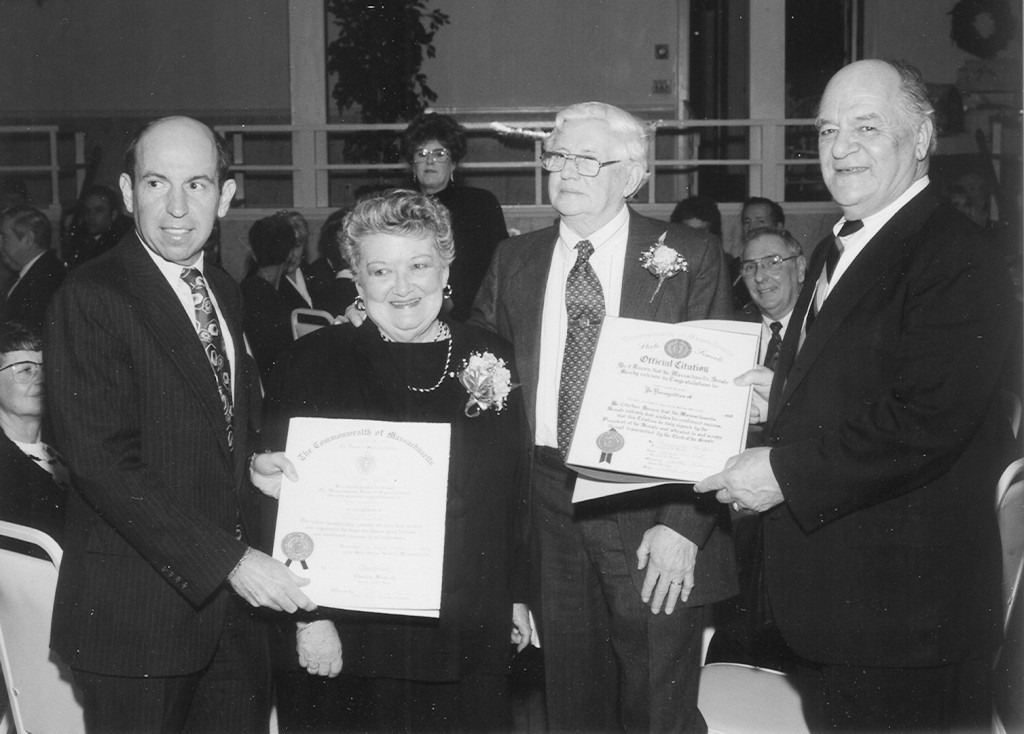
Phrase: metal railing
(675, 156)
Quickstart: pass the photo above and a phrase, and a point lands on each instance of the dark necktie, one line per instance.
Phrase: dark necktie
(54, 465)
(831, 260)
(212, 339)
(584, 305)
(771, 354)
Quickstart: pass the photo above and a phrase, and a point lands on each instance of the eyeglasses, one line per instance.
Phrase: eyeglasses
(771, 264)
(24, 372)
(431, 156)
(585, 164)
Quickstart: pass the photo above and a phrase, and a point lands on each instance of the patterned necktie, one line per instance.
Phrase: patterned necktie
(208, 327)
(584, 305)
(831, 260)
(771, 354)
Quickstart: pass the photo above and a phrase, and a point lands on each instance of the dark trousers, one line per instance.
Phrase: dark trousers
(860, 700)
(610, 665)
(231, 694)
(474, 704)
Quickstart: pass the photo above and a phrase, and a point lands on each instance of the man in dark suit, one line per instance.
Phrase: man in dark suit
(25, 238)
(612, 660)
(772, 266)
(884, 435)
(153, 400)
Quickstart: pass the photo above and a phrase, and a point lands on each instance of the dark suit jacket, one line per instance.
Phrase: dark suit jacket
(329, 293)
(267, 321)
(510, 302)
(150, 533)
(887, 443)
(28, 301)
(478, 225)
(28, 494)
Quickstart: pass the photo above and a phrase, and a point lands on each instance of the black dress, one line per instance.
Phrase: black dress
(447, 673)
(478, 225)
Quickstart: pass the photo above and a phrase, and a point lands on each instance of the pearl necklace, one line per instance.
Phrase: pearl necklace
(443, 333)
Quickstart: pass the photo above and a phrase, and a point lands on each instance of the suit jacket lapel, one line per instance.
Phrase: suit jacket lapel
(638, 300)
(532, 275)
(884, 252)
(162, 313)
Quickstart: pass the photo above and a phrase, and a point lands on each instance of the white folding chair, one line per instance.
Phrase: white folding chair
(1012, 405)
(743, 699)
(306, 320)
(1010, 511)
(42, 699)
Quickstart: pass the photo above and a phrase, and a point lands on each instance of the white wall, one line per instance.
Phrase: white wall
(106, 58)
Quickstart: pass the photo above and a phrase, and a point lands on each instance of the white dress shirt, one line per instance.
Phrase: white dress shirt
(172, 272)
(853, 244)
(608, 261)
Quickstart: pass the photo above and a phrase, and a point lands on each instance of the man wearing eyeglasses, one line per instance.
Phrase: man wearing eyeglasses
(772, 267)
(620, 582)
(885, 436)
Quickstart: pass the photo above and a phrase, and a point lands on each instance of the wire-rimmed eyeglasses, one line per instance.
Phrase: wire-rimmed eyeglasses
(24, 372)
(771, 264)
(585, 164)
(431, 155)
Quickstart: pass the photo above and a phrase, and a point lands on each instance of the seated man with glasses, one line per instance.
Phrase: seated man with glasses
(33, 477)
(772, 267)
(606, 569)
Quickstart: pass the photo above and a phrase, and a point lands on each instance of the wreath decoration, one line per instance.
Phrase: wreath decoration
(971, 17)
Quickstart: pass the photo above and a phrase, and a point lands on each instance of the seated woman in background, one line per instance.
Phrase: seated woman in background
(329, 276)
(294, 285)
(434, 145)
(268, 314)
(403, 363)
(34, 479)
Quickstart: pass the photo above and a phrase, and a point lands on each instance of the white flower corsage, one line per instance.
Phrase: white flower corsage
(488, 382)
(663, 262)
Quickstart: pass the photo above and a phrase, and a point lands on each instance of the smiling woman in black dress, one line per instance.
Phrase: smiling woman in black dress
(405, 363)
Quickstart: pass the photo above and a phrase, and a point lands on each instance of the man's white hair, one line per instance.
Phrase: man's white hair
(634, 135)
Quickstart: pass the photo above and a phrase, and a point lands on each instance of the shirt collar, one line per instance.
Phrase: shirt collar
(172, 271)
(605, 234)
(28, 266)
(876, 221)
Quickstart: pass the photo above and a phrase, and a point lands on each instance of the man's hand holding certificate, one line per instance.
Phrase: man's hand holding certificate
(661, 404)
(365, 521)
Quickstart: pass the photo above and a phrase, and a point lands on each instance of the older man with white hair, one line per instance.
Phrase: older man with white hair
(607, 568)
(884, 434)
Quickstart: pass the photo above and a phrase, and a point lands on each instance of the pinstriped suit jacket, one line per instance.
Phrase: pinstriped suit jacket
(511, 302)
(150, 531)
